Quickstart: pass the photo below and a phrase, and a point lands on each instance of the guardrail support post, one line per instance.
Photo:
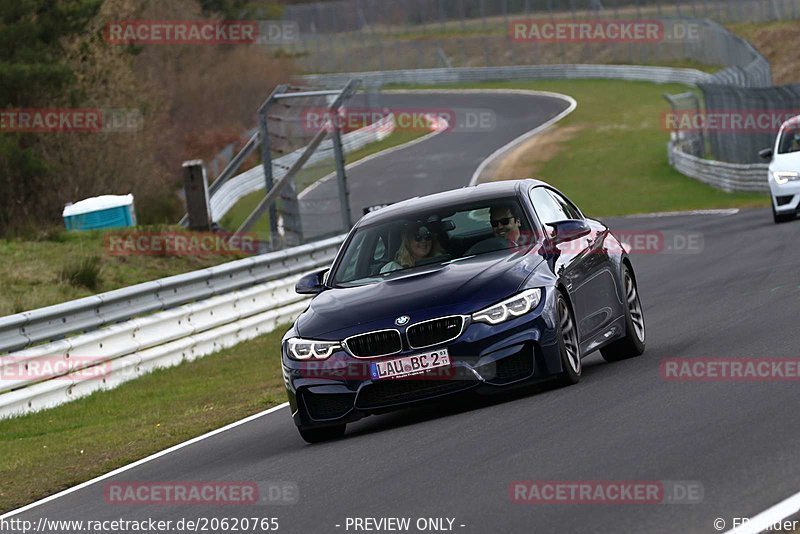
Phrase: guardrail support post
(266, 162)
(195, 185)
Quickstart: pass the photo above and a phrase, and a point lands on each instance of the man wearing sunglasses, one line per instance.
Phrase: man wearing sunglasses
(505, 223)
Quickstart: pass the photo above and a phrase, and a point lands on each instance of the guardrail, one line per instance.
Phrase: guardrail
(729, 177)
(57, 321)
(163, 323)
(525, 72)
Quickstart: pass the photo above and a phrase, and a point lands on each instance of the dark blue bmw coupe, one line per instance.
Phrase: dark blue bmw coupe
(481, 288)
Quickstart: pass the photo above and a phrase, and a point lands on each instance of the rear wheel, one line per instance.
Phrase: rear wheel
(634, 341)
(568, 343)
(318, 435)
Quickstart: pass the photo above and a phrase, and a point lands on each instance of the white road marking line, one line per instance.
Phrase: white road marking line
(527, 135)
(436, 130)
(770, 516)
(522, 138)
(143, 461)
(722, 212)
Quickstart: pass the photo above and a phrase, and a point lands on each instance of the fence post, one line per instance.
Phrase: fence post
(266, 162)
(195, 185)
(341, 177)
(292, 229)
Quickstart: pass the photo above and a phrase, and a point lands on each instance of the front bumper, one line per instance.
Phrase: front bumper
(785, 197)
(483, 358)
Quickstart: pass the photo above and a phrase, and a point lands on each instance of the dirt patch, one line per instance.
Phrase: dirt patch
(526, 160)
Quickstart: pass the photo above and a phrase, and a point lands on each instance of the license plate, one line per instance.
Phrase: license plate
(409, 365)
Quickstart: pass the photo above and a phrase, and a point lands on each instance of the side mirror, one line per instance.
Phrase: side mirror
(766, 153)
(569, 230)
(311, 284)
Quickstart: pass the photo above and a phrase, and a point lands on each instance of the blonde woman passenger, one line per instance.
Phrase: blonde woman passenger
(418, 243)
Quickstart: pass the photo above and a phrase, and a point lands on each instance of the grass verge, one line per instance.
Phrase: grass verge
(48, 451)
(610, 155)
(58, 266)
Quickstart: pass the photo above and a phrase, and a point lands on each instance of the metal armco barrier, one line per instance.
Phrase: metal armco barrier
(526, 72)
(730, 177)
(54, 322)
(201, 312)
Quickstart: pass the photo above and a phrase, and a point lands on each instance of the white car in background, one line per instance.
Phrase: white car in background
(784, 171)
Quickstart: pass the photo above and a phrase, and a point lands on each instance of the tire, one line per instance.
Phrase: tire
(633, 344)
(568, 345)
(318, 435)
(781, 217)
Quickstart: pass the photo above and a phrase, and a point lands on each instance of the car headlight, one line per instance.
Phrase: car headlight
(515, 306)
(308, 349)
(782, 177)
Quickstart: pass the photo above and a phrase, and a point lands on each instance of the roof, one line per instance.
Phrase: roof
(794, 121)
(448, 198)
(102, 202)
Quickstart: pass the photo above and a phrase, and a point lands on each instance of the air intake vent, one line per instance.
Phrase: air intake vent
(372, 344)
(434, 332)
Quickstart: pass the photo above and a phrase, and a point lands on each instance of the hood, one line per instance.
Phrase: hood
(461, 287)
(786, 162)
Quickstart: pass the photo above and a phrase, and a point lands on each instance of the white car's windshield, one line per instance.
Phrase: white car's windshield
(790, 140)
(433, 236)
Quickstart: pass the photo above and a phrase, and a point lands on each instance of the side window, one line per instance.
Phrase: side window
(347, 269)
(547, 208)
(566, 206)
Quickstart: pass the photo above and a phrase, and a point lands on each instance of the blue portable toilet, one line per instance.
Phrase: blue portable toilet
(106, 211)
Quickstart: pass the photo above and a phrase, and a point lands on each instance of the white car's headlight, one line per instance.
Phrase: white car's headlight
(515, 306)
(782, 177)
(308, 349)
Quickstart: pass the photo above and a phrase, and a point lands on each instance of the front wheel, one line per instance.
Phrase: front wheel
(568, 344)
(318, 435)
(781, 217)
(633, 343)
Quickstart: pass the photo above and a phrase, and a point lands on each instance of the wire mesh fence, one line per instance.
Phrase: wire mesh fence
(740, 121)
(371, 35)
(393, 16)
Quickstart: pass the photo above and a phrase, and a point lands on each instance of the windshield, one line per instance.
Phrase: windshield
(434, 236)
(790, 140)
